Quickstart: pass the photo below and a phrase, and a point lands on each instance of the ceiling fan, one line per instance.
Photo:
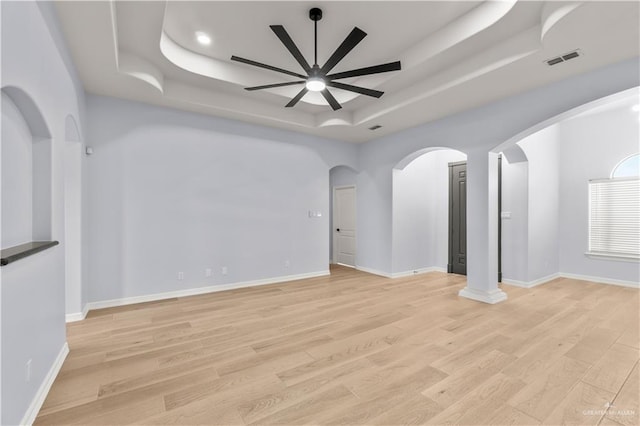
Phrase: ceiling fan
(318, 78)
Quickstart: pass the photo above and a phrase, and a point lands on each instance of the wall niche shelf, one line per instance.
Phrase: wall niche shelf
(11, 254)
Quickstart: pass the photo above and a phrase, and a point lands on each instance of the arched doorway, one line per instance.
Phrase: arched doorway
(343, 216)
(421, 211)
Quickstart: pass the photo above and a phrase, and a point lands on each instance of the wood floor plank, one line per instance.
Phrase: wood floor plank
(626, 405)
(507, 415)
(478, 406)
(541, 396)
(448, 391)
(594, 345)
(583, 405)
(256, 409)
(312, 408)
(359, 349)
(614, 367)
(415, 410)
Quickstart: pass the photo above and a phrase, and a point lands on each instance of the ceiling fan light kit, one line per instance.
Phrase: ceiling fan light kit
(318, 79)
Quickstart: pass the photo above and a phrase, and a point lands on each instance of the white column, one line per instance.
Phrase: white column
(482, 228)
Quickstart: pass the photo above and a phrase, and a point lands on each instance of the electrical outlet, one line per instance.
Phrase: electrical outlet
(28, 371)
(207, 272)
(225, 271)
(180, 276)
(287, 263)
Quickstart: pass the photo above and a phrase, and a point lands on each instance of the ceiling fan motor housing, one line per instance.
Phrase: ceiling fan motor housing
(315, 14)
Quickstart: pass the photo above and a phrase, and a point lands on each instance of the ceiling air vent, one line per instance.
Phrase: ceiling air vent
(563, 58)
(376, 127)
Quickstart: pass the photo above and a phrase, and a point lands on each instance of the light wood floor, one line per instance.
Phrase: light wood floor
(355, 348)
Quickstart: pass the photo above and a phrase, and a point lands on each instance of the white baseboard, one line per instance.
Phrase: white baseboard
(543, 280)
(373, 271)
(492, 297)
(43, 391)
(418, 272)
(201, 290)
(601, 280)
(530, 284)
(401, 274)
(78, 316)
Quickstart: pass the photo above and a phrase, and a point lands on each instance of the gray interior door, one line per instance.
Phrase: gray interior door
(457, 218)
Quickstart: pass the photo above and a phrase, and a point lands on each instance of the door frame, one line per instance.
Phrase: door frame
(450, 213)
(334, 241)
(449, 254)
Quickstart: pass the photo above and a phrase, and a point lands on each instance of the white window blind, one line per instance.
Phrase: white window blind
(614, 217)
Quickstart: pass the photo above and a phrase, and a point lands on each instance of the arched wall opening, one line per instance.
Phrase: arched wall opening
(420, 210)
(545, 198)
(341, 179)
(26, 170)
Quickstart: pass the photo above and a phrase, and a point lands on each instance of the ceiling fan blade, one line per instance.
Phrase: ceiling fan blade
(357, 89)
(376, 69)
(269, 67)
(355, 36)
(283, 35)
(269, 86)
(332, 101)
(296, 98)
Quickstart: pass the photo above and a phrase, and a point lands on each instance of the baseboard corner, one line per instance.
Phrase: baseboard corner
(40, 396)
(78, 316)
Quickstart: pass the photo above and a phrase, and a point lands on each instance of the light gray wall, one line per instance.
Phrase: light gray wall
(171, 191)
(33, 289)
(421, 213)
(338, 176)
(483, 128)
(542, 150)
(553, 202)
(515, 233)
(590, 147)
(17, 185)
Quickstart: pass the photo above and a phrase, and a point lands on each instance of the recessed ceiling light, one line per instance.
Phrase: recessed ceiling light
(635, 108)
(203, 38)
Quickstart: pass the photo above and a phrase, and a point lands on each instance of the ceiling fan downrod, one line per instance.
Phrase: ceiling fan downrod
(315, 15)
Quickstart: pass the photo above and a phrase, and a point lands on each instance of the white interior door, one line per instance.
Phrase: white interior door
(344, 225)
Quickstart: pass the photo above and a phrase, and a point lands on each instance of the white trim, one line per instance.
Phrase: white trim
(601, 280)
(492, 297)
(401, 274)
(373, 271)
(613, 257)
(597, 280)
(78, 316)
(418, 271)
(573, 112)
(334, 240)
(530, 284)
(43, 390)
(201, 290)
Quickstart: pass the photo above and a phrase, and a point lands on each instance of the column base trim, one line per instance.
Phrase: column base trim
(492, 297)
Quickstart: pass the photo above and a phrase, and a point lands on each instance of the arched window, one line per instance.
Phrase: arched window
(629, 167)
(614, 212)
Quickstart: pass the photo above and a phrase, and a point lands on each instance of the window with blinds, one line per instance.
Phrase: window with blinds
(614, 217)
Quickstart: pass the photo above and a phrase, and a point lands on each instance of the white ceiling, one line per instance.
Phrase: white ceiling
(455, 55)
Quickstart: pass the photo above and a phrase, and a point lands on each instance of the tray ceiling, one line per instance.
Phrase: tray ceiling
(455, 55)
